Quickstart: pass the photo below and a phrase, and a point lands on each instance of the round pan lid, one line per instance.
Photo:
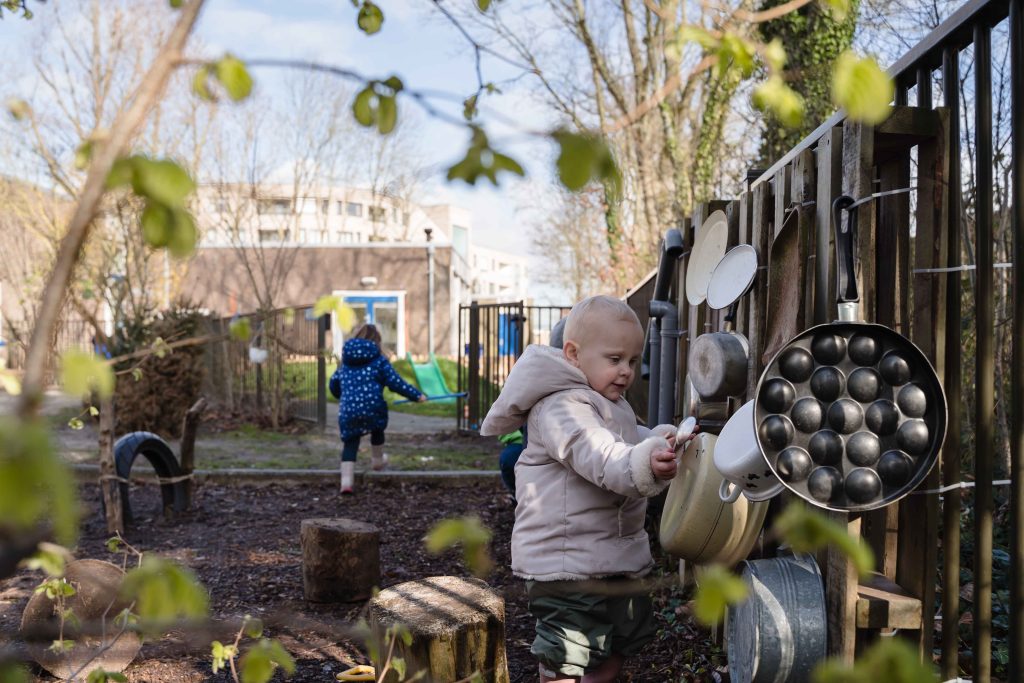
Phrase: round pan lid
(708, 250)
(732, 276)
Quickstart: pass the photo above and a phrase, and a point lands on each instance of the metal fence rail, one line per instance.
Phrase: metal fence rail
(491, 337)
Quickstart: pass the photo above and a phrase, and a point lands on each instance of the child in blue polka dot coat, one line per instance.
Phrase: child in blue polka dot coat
(359, 383)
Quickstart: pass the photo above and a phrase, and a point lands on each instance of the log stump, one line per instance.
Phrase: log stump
(95, 604)
(340, 559)
(457, 627)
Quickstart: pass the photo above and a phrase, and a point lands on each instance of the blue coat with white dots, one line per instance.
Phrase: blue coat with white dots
(359, 384)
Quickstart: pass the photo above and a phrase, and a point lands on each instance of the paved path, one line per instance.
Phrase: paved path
(407, 423)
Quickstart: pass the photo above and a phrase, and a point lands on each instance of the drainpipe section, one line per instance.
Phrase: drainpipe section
(663, 325)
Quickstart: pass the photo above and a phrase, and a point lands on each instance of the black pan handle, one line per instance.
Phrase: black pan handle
(846, 237)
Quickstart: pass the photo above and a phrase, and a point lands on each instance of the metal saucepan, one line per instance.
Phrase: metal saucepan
(850, 415)
(719, 360)
(711, 415)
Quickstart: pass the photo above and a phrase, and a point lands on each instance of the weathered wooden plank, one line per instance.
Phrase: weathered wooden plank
(761, 221)
(883, 604)
(841, 594)
(858, 160)
(830, 178)
(804, 192)
(917, 541)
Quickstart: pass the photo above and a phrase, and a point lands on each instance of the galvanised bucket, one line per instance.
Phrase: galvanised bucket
(779, 633)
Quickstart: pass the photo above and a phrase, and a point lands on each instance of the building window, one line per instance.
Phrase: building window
(275, 207)
(302, 235)
(354, 209)
(378, 214)
(275, 235)
(406, 218)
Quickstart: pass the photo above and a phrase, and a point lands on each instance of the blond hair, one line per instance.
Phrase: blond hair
(584, 318)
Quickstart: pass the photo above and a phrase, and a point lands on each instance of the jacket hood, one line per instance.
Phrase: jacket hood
(539, 372)
(357, 352)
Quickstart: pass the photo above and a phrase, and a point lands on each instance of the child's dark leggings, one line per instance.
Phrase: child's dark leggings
(350, 447)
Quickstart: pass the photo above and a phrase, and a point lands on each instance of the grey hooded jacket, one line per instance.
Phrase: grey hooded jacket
(583, 479)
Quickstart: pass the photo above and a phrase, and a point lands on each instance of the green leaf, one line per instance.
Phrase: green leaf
(102, 676)
(583, 157)
(161, 180)
(891, 660)
(259, 662)
(482, 160)
(121, 173)
(83, 155)
(19, 109)
(157, 223)
(62, 646)
(387, 114)
(363, 106)
(839, 9)
(240, 330)
(176, 4)
(184, 234)
(11, 672)
(137, 374)
(94, 411)
(469, 107)
(370, 18)
(252, 627)
(862, 88)
(222, 654)
(233, 75)
(164, 592)
(83, 372)
(49, 558)
(775, 54)
(468, 532)
(201, 84)
(114, 544)
(483, 5)
(806, 531)
(778, 98)
(76, 423)
(699, 35)
(736, 51)
(717, 588)
(35, 485)
(394, 84)
(398, 664)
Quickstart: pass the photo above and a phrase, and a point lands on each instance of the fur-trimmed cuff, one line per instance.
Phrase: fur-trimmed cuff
(640, 466)
(665, 430)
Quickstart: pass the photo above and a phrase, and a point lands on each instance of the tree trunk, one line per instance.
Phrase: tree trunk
(340, 559)
(108, 472)
(189, 427)
(457, 627)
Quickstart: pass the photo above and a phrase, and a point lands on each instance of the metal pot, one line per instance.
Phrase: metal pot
(719, 360)
(711, 415)
(696, 525)
(850, 415)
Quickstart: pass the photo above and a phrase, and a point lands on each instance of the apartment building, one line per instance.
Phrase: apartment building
(375, 250)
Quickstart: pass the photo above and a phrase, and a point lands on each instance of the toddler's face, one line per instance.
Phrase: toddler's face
(608, 357)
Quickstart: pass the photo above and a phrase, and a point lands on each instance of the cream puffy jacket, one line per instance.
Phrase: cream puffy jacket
(583, 479)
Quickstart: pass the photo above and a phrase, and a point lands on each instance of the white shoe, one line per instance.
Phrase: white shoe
(380, 458)
(348, 475)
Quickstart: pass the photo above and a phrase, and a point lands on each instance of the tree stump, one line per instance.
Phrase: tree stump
(340, 559)
(457, 627)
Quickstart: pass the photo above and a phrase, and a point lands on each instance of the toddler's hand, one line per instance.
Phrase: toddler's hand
(663, 464)
(422, 398)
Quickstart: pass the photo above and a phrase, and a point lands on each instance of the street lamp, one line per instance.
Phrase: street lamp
(430, 289)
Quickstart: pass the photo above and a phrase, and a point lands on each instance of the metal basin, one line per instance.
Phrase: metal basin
(779, 633)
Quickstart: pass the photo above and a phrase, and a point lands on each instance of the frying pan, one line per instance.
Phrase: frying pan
(708, 250)
(850, 415)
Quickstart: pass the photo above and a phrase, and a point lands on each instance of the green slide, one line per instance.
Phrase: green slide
(430, 379)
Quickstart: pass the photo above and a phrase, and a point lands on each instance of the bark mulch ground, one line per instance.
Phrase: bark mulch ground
(243, 543)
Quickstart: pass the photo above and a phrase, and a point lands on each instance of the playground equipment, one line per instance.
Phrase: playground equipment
(431, 380)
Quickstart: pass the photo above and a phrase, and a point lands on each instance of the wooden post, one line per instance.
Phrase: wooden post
(340, 559)
(457, 627)
(189, 429)
(111, 489)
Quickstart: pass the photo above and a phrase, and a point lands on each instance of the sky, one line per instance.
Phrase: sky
(415, 43)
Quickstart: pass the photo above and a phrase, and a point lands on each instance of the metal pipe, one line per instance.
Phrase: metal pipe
(1015, 642)
(984, 445)
(430, 290)
(653, 369)
(669, 315)
(952, 372)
